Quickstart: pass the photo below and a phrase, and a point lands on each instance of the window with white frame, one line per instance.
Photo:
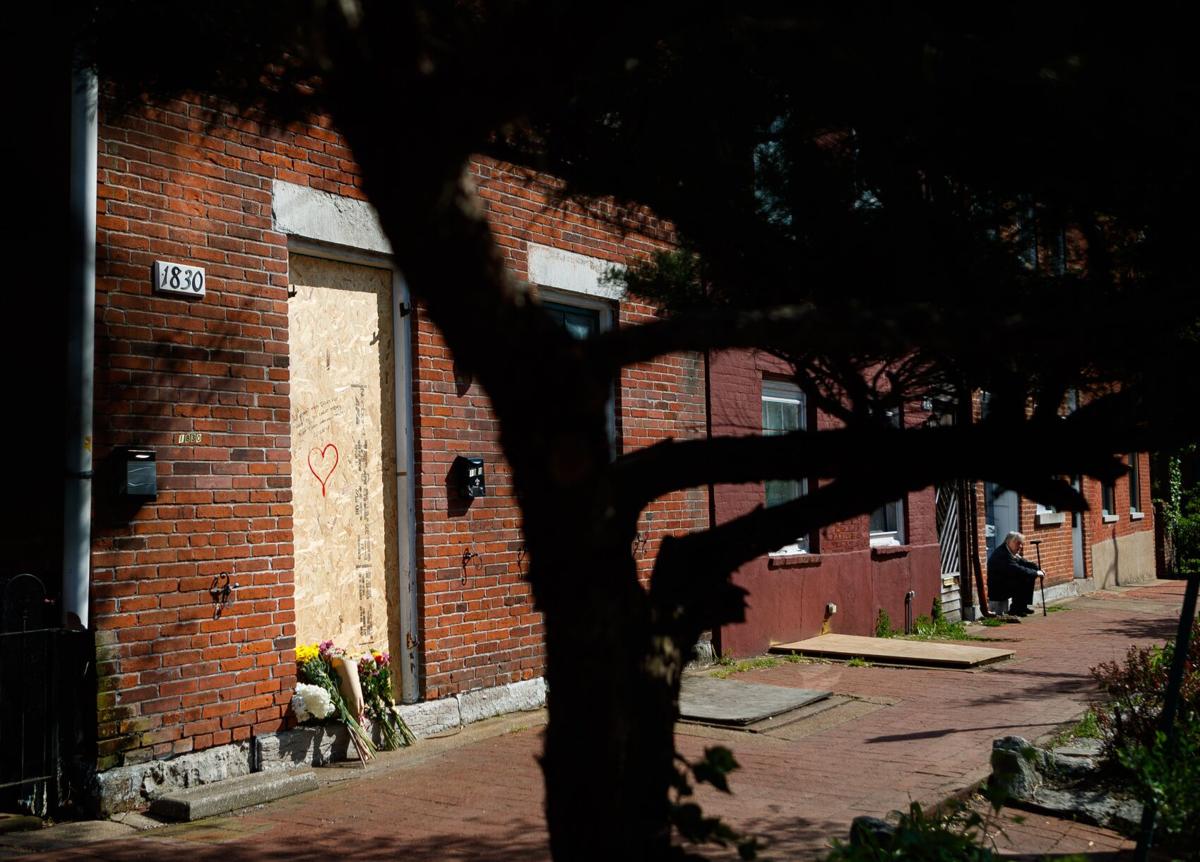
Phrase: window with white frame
(887, 522)
(1108, 502)
(1135, 487)
(784, 409)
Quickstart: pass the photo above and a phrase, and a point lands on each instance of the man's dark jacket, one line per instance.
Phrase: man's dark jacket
(1008, 573)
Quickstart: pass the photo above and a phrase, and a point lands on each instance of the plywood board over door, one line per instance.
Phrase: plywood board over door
(344, 454)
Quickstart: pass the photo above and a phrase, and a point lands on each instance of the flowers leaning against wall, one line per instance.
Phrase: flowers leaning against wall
(315, 667)
(375, 677)
(356, 691)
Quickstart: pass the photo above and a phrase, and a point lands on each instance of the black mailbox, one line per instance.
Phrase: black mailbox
(469, 477)
(138, 474)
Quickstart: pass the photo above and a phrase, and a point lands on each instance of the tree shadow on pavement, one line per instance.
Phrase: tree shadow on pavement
(521, 840)
(1147, 628)
(934, 734)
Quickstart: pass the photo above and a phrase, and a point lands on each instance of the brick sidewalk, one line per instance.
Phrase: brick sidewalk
(928, 736)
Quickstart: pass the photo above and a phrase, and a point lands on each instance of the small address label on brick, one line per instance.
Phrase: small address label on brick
(178, 278)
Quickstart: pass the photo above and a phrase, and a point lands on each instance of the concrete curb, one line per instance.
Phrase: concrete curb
(225, 796)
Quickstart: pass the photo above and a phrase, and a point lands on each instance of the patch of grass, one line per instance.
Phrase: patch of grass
(798, 658)
(1053, 609)
(729, 666)
(858, 661)
(940, 629)
(1087, 727)
(991, 622)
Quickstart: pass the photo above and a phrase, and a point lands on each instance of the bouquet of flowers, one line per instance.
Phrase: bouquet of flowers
(329, 682)
(317, 665)
(375, 676)
(311, 701)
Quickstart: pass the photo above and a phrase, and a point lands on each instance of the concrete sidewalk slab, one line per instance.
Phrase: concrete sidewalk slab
(894, 651)
(724, 701)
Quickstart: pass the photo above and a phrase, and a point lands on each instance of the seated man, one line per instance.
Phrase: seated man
(1011, 576)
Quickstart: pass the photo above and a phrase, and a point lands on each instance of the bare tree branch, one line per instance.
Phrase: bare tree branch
(1025, 454)
(725, 328)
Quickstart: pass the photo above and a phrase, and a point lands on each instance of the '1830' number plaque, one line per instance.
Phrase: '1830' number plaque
(178, 278)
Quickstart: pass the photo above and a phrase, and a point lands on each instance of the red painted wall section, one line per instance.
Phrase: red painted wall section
(788, 595)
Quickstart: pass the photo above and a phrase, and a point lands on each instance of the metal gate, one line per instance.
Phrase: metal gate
(947, 506)
(41, 696)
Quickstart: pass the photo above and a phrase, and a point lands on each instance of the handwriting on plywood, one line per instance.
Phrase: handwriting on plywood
(316, 418)
(325, 466)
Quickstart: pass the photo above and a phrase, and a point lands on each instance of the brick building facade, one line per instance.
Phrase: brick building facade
(212, 385)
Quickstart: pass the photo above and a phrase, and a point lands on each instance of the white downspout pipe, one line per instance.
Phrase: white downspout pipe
(81, 317)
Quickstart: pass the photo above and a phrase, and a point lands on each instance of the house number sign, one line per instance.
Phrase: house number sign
(178, 278)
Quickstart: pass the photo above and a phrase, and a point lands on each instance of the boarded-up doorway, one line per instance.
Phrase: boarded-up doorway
(343, 414)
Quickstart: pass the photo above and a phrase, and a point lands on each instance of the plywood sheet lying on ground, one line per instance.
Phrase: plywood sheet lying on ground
(723, 701)
(894, 651)
(343, 453)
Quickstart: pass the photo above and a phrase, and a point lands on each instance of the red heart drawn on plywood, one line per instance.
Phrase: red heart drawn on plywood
(323, 479)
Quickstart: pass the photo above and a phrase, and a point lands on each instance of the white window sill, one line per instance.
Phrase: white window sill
(1046, 519)
(789, 551)
(1136, 516)
(885, 540)
(1110, 519)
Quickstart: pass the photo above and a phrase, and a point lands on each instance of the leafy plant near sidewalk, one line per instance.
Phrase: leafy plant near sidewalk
(1165, 774)
(688, 818)
(940, 629)
(1169, 776)
(883, 625)
(956, 835)
(1135, 688)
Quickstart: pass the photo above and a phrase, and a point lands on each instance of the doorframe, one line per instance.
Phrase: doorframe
(406, 496)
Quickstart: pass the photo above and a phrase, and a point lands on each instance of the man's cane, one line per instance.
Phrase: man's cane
(1037, 543)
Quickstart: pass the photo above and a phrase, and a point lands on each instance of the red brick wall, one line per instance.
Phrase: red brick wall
(173, 676)
(788, 595)
(480, 627)
(1057, 553)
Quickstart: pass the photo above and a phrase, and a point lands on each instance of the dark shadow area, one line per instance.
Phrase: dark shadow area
(457, 503)
(1150, 628)
(314, 841)
(934, 734)
(1033, 684)
(787, 837)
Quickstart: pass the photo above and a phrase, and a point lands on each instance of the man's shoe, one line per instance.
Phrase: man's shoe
(1022, 612)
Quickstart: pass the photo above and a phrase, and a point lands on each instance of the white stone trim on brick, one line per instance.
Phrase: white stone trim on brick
(572, 272)
(317, 746)
(126, 788)
(323, 217)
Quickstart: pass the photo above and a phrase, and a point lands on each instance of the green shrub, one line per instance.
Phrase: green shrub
(957, 836)
(1135, 690)
(1171, 780)
(883, 625)
(1187, 534)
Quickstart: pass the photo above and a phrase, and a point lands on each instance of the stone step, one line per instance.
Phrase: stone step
(221, 797)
